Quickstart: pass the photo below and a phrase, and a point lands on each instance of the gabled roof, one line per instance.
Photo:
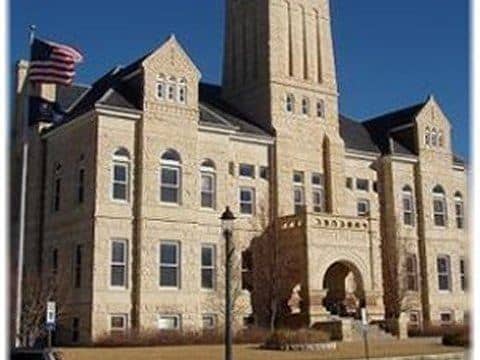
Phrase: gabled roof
(356, 136)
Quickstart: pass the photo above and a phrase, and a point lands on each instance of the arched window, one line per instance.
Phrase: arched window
(411, 272)
(439, 207)
(408, 208)
(182, 91)
(170, 177)
(434, 137)
(121, 175)
(208, 184)
(321, 109)
(161, 87)
(171, 89)
(459, 210)
(305, 106)
(290, 103)
(427, 136)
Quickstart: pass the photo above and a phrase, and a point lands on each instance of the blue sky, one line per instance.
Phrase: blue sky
(389, 53)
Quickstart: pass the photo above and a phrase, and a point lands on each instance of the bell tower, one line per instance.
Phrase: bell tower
(279, 70)
(277, 42)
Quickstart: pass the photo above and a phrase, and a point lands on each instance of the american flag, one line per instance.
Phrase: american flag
(53, 63)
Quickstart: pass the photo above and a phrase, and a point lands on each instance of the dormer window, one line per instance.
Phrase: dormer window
(290, 103)
(434, 137)
(161, 87)
(427, 136)
(182, 91)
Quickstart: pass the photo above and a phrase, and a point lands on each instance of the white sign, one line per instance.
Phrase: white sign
(364, 317)
(51, 307)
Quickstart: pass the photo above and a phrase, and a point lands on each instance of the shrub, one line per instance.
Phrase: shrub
(458, 338)
(281, 339)
(174, 338)
(437, 331)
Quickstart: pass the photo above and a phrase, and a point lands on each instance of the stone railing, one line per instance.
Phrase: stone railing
(291, 222)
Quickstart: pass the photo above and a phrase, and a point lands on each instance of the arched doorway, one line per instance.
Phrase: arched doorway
(345, 290)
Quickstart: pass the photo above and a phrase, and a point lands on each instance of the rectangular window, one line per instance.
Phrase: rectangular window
(411, 273)
(170, 184)
(247, 268)
(247, 171)
(298, 177)
(209, 322)
(169, 264)
(463, 279)
(75, 330)
(363, 207)
(446, 317)
(247, 201)
(120, 181)
(298, 192)
(55, 261)
(56, 194)
(78, 266)
(318, 193)
(414, 318)
(439, 211)
(208, 190)
(118, 324)
(208, 261)
(408, 217)
(264, 172)
(161, 90)
(459, 214)
(118, 263)
(169, 322)
(81, 186)
(362, 184)
(171, 92)
(443, 271)
(349, 183)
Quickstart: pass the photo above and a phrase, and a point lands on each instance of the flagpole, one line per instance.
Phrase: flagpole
(23, 201)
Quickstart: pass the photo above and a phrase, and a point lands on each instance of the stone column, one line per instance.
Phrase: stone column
(375, 306)
(318, 312)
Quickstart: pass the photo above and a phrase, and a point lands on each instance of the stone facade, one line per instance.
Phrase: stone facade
(277, 111)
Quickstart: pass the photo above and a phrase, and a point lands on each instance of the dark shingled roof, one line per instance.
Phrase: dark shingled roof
(356, 136)
(67, 95)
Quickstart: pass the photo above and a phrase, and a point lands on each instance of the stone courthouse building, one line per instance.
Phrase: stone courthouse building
(125, 189)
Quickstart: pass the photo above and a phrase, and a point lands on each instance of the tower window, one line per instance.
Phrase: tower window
(290, 103)
(321, 109)
(305, 106)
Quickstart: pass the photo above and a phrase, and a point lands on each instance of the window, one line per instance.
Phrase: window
(443, 271)
(362, 184)
(411, 273)
(118, 324)
(434, 138)
(440, 139)
(169, 264)
(208, 185)
(463, 278)
(209, 322)
(247, 171)
(247, 268)
(298, 192)
(290, 103)
(161, 90)
(208, 260)
(459, 211)
(321, 109)
(363, 207)
(75, 330)
(120, 183)
(169, 322)
(264, 172)
(170, 177)
(78, 267)
(118, 263)
(446, 317)
(81, 186)
(427, 136)
(55, 261)
(349, 183)
(57, 187)
(171, 89)
(318, 192)
(182, 91)
(247, 200)
(439, 207)
(305, 106)
(407, 199)
(414, 318)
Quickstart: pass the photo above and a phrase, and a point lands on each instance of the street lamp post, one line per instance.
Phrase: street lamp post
(227, 228)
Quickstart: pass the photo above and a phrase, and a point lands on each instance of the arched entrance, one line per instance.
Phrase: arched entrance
(345, 290)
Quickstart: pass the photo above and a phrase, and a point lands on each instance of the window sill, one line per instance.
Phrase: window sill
(120, 202)
(167, 204)
(208, 210)
(118, 288)
(167, 288)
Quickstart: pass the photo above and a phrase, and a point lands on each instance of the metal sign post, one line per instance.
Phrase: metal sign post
(365, 332)
(50, 322)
